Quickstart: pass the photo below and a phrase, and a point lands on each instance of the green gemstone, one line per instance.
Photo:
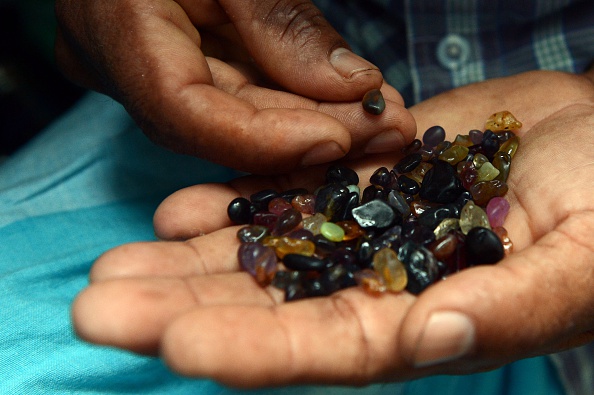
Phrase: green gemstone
(332, 232)
(454, 154)
(510, 146)
(487, 172)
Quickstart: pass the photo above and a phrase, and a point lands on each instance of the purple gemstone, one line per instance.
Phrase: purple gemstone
(258, 260)
(265, 218)
(433, 136)
(497, 210)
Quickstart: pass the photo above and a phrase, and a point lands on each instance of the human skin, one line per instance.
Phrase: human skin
(191, 74)
(185, 299)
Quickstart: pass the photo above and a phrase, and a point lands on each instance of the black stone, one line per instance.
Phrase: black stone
(241, 211)
(381, 177)
(262, 198)
(421, 267)
(331, 199)
(408, 163)
(341, 175)
(483, 247)
(433, 216)
(408, 185)
(441, 184)
(303, 262)
(373, 102)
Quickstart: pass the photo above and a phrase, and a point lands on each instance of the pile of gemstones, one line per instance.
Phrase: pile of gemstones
(439, 210)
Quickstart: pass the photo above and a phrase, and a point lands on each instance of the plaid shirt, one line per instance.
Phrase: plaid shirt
(425, 47)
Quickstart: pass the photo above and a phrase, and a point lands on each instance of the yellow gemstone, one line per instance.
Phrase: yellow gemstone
(503, 120)
(287, 245)
(390, 269)
(332, 232)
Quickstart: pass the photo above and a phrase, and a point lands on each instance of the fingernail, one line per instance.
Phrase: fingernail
(322, 153)
(447, 335)
(384, 142)
(346, 63)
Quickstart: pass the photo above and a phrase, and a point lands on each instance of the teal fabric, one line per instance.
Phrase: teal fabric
(91, 182)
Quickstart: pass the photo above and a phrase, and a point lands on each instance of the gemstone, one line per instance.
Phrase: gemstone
(265, 218)
(375, 213)
(497, 210)
(408, 163)
(351, 229)
(433, 136)
(286, 245)
(373, 102)
(304, 203)
(331, 199)
(314, 223)
(287, 221)
(290, 194)
(262, 198)
(414, 146)
(510, 146)
(258, 260)
(441, 184)
(472, 216)
(502, 162)
(408, 185)
(503, 120)
(508, 246)
(278, 205)
(252, 233)
(303, 262)
(381, 177)
(421, 266)
(483, 247)
(342, 175)
(463, 140)
(370, 281)
(487, 172)
(390, 269)
(454, 154)
(476, 136)
(484, 191)
(432, 217)
(332, 232)
(240, 211)
(446, 226)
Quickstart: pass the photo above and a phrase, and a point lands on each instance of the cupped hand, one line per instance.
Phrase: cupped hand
(260, 86)
(186, 300)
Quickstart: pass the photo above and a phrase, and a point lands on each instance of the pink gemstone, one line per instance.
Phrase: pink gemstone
(497, 210)
(278, 206)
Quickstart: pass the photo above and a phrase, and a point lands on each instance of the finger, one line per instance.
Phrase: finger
(528, 304)
(196, 256)
(295, 45)
(349, 338)
(133, 313)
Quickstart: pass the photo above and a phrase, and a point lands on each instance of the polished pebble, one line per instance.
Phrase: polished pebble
(434, 136)
(390, 269)
(472, 216)
(483, 247)
(497, 210)
(373, 102)
(332, 231)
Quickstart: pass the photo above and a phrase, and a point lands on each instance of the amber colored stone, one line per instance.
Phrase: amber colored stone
(418, 173)
(454, 154)
(503, 120)
(373, 102)
(484, 191)
(352, 230)
(463, 140)
(370, 281)
(472, 216)
(389, 267)
(510, 146)
(286, 245)
(304, 203)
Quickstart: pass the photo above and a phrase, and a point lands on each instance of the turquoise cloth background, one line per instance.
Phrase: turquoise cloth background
(91, 182)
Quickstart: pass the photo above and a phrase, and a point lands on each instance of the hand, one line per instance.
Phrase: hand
(212, 79)
(187, 301)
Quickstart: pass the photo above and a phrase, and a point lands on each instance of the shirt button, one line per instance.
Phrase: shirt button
(453, 51)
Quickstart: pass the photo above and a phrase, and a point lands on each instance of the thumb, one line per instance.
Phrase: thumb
(296, 46)
(536, 301)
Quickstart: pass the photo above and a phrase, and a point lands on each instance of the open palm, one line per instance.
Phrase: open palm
(186, 299)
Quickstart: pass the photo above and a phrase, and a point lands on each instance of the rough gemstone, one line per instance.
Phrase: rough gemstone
(262, 198)
(258, 260)
(487, 172)
(414, 146)
(389, 267)
(397, 201)
(421, 266)
(454, 154)
(483, 247)
(376, 213)
(332, 232)
(373, 102)
(503, 120)
(287, 245)
(446, 226)
(351, 229)
(502, 162)
(463, 140)
(441, 184)
(265, 218)
(510, 146)
(432, 217)
(472, 216)
(484, 191)
(370, 281)
(497, 210)
(476, 136)
(433, 136)
(408, 185)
